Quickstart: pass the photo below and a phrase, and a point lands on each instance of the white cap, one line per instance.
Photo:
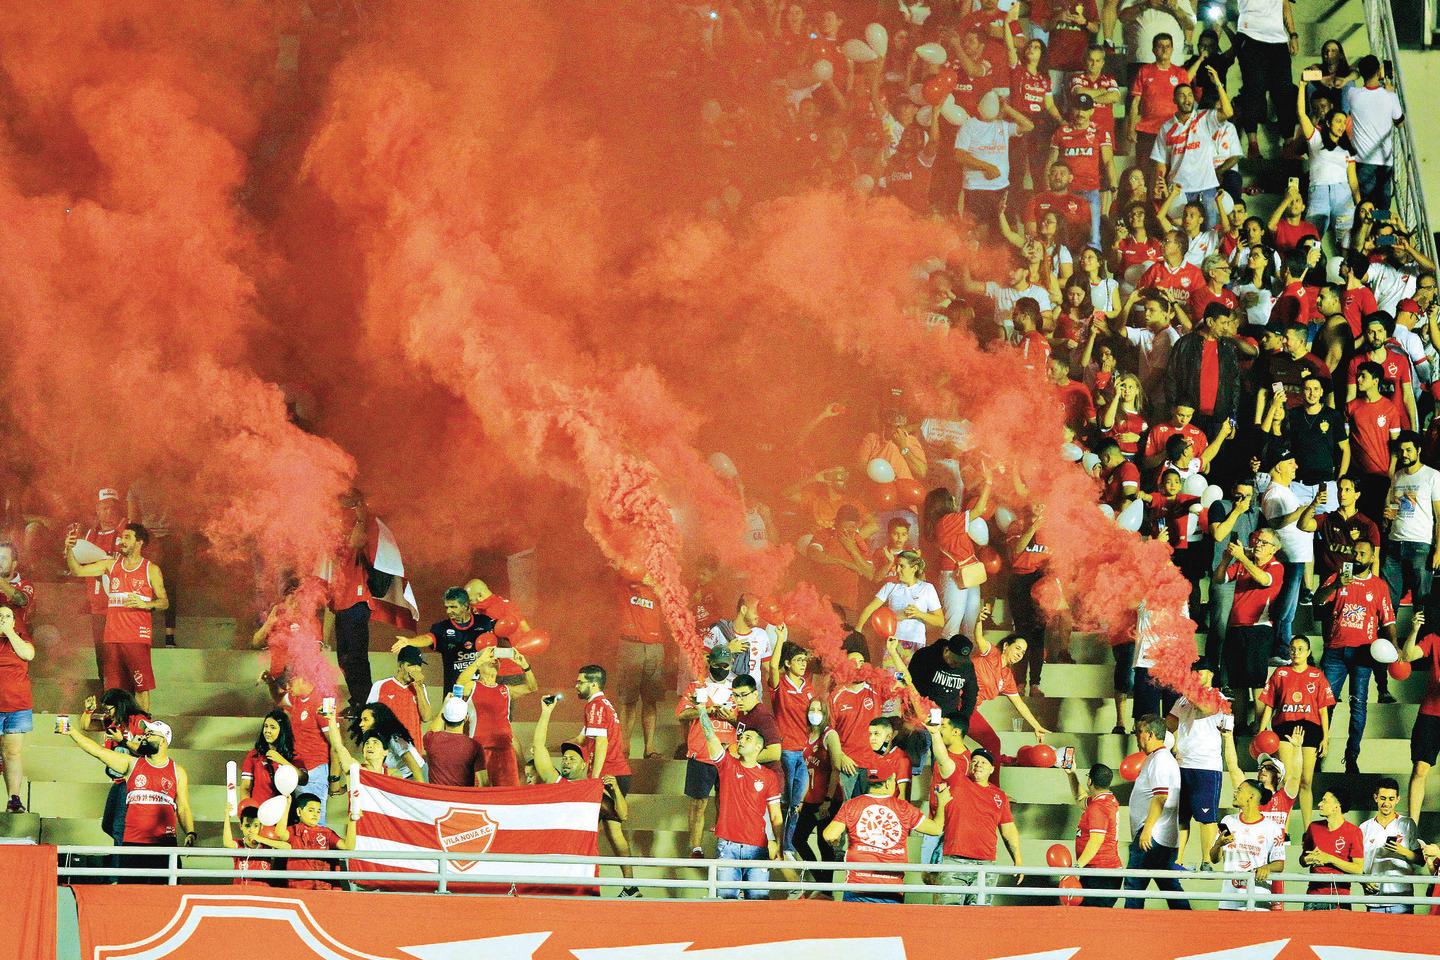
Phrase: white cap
(454, 710)
(161, 729)
(1275, 762)
(109, 493)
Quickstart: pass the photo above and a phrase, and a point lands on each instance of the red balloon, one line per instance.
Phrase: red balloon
(1042, 755)
(990, 557)
(1059, 856)
(936, 90)
(506, 626)
(949, 76)
(1070, 883)
(1266, 741)
(532, 642)
(909, 493)
(1024, 754)
(882, 495)
(1130, 766)
(884, 622)
(770, 611)
(1400, 669)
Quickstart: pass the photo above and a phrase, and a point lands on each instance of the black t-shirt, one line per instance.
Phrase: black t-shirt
(950, 688)
(459, 644)
(1314, 439)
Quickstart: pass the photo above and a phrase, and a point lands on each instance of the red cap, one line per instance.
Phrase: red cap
(1407, 306)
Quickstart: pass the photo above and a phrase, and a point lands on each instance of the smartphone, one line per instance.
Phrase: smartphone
(327, 706)
(1380, 215)
(550, 699)
(1386, 240)
(1294, 183)
(504, 653)
(1347, 569)
(935, 716)
(1313, 75)
(1277, 389)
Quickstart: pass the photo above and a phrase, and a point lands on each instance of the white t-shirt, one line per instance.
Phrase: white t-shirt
(1154, 348)
(1379, 860)
(1373, 111)
(1259, 313)
(1263, 20)
(898, 596)
(760, 643)
(1201, 246)
(1159, 777)
(1006, 297)
(1390, 285)
(1227, 145)
(1197, 737)
(1187, 148)
(1255, 845)
(1328, 166)
(1415, 494)
(987, 140)
(1102, 292)
(1296, 545)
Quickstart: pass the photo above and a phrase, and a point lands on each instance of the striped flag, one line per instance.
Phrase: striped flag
(558, 818)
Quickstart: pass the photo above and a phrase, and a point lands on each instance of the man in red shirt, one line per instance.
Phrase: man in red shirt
(1298, 301)
(605, 752)
(1257, 576)
(453, 758)
(1182, 415)
(1361, 611)
(1357, 300)
(876, 826)
(310, 727)
(1375, 421)
(1119, 477)
(405, 693)
(1216, 270)
(16, 719)
(1152, 95)
(1333, 846)
(852, 707)
(1395, 378)
(1095, 836)
(641, 663)
(1090, 155)
(1172, 274)
(350, 596)
(1073, 396)
(979, 811)
(996, 28)
(1425, 734)
(791, 694)
(1099, 86)
(1075, 213)
(747, 795)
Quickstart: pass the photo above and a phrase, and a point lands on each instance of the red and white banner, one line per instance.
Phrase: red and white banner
(213, 923)
(397, 607)
(556, 818)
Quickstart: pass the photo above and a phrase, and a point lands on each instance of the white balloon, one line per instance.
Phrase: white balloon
(858, 52)
(931, 53)
(863, 183)
(1108, 510)
(1071, 452)
(1132, 516)
(1212, 493)
(877, 39)
(916, 93)
(287, 778)
(723, 466)
(917, 13)
(980, 532)
(989, 107)
(271, 811)
(822, 71)
(880, 470)
(1194, 485)
(924, 115)
(1090, 461)
(1383, 651)
(952, 112)
(1003, 519)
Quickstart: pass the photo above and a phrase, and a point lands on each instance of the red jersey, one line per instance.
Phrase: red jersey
(492, 715)
(1161, 433)
(877, 829)
(1101, 815)
(1430, 703)
(1104, 115)
(639, 613)
(972, 87)
(1083, 153)
(122, 624)
(993, 676)
(981, 21)
(1127, 421)
(1357, 303)
(601, 720)
(1345, 842)
(1277, 811)
(403, 701)
(1297, 695)
(97, 598)
(1076, 405)
(1121, 482)
(975, 813)
(1135, 252)
(1337, 536)
(1161, 275)
(881, 766)
(261, 774)
(1028, 91)
(1252, 601)
(22, 613)
(303, 837)
(251, 865)
(1360, 608)
(1288, 235)
(952, 539)
(349, 581)
(1156, 87)
(743, 797)
(791, 703)
(1373, 424)
(817, 763)
(14, 680)
(1202, 297)
(716, 695)
(308, 727)
(1068, 41)
(1034, 557)
(152, 795)
(1072, 209)
(1297, 303)
(962, 769)
(850, 714)
(1395, 377)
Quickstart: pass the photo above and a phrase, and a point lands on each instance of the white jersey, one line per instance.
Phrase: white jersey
(1255, 845)
(1159, 777)
(1198, 742)
(1379, 860)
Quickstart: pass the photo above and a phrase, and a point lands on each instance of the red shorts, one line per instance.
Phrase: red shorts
(126, 666)
(500, 765)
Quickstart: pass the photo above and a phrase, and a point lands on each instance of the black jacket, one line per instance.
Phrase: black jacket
(1182, 374)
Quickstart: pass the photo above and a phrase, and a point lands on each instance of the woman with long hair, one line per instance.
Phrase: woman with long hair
(378, 720)
(274, 748)
(914, 602)
(944, 529)
(810, 820)
(1123, 419)
(1103, 288)
(1334, 185)
(995, 677)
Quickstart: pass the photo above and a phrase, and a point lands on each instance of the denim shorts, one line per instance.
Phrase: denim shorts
(17, 721)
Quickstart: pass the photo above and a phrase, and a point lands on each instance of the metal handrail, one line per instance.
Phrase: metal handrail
(986, 884)
(1409, 191)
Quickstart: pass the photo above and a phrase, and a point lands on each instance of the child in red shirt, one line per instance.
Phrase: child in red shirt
(307, 834)
(253, 836)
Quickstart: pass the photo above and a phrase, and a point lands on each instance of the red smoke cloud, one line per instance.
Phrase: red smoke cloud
(475, 235)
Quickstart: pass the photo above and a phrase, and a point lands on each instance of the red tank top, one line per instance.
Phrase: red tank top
(122, 624)
(150, 801)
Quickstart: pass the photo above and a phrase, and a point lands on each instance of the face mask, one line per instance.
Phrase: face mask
(719, 673)
(147, 748)
(816, 718)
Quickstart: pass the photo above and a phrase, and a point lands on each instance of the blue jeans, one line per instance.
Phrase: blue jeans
(1406, 567)
(1206, 198)
(1093, 198)
(1332, 205)
(1353, 664)
(1158, 857)
(1284, 608)
(319, 784)
(797, 781)
(727, 850)
(1376, 182)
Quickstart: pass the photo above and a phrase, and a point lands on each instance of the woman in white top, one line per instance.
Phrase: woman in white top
(1104, 289)
(914, 601)
(1048, 235)
(1334, 187)
(1256, 286)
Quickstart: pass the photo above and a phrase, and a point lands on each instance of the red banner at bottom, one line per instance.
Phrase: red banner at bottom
(238, 923)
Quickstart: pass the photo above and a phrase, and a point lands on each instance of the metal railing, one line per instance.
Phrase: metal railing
(987, 881)
(1409, 196)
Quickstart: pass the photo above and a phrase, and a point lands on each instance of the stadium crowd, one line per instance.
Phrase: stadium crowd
(1242, 334)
